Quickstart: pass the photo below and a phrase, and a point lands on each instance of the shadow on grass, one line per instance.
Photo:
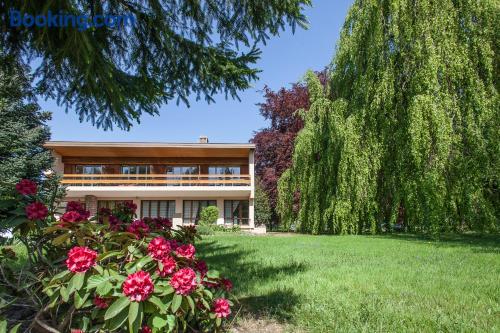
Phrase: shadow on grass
(486, 243)
(247, 274)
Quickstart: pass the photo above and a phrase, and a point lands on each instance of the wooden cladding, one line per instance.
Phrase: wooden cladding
(155, 180)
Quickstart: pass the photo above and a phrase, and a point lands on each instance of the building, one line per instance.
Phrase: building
(173, 180)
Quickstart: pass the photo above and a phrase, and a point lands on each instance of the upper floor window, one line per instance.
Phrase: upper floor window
(89, 169)
(224, 170)
(136, 169)
(183, 170)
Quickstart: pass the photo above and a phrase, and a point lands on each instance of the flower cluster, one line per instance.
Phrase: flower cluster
(100, 302)
(186, 251)
(75, 213)
(80, 259)
(158, 248)
(138, 286)
(26, 187)
(221, 308)
(139, 228)
(36, 211)
(167, 266)
(184, 281)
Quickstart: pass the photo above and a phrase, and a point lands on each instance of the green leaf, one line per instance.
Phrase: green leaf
(104, 288)
(134, 317)
(191, 303)
(164, 290)
(116, 307)
(109, 254)
(15, 328)
(61, 239)
(118, 321)
(79, 298)
(218, 321)
(176, 303)
(3, 326)
(171, 320)
(213, 274)
(59, 276)
(159, 321)
(159, 304)
(76, 282)
(64, 294)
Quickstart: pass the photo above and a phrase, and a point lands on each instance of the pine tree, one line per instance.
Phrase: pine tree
(408, 133)
(23, 129)
(112, 75)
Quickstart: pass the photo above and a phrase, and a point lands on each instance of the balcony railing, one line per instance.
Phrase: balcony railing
(155, 180)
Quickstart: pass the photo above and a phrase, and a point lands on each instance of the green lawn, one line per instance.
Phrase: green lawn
(363, 283)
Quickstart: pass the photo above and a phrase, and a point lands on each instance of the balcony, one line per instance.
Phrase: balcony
(150, 180)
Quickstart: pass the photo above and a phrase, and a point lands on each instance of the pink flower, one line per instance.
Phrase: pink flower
(221, 308)
(186, 251)
(100, 302)
(72, 217)
(80, 259)
(26, 187)
(226, 284)
(138, 286)
(169, 266)
(161, 223)
(36, 211)
(158, 248)
(201, 266)
(74, 206)
(139, 228)
(129, 207)
(146, 329)
(114, 223)
(76, 330)
(184, 281)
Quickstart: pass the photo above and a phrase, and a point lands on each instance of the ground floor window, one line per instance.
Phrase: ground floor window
(158, 208)
(236, 212)
(192, 209)
(110, 204)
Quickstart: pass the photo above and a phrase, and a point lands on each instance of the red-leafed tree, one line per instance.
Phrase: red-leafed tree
(274, 145)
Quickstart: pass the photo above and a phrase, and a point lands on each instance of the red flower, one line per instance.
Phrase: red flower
(80, 259)
(114, 223)
(186, 251)
(184, 281)
(173, 244)
(226, 284)
(26, 187)
(103, 211)
(36, 211)
(161, 223)
(221, 308)
(158, 248)
(72, 217)
(139, 228)
(146, 329)
(76, 330)
(100, 302)
(138, 286)
(129, 207)
(74, 206)
(201, 266)
(169, 266)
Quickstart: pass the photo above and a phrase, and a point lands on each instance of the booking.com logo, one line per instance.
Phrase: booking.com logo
(64, 20)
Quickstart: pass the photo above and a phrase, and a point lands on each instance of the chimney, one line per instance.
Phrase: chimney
(203, 139)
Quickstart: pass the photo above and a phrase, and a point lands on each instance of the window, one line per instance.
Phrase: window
(183, 170)
(111, 204)
(136, 169)
(224, 170)
(192, 209)
(236, 212)
(158, 208)
(88, 169)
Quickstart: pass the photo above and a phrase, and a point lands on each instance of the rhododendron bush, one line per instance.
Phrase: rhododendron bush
(141, 275)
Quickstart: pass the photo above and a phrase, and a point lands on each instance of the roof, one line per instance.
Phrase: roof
(149, 149)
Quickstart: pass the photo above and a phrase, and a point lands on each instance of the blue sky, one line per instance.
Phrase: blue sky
(284, 60)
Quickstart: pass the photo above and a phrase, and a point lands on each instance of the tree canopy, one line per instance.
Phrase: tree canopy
(175, 49)
(407, 133)
(23, 129)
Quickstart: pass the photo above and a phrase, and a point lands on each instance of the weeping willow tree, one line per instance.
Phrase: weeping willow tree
(407, 133)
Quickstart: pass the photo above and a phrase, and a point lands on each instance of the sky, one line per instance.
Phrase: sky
(284, 60)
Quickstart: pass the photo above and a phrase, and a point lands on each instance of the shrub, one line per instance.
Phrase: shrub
(209, 215)
(205, 230)
(139, 276)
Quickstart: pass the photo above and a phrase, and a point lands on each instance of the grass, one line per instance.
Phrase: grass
(396, 283)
